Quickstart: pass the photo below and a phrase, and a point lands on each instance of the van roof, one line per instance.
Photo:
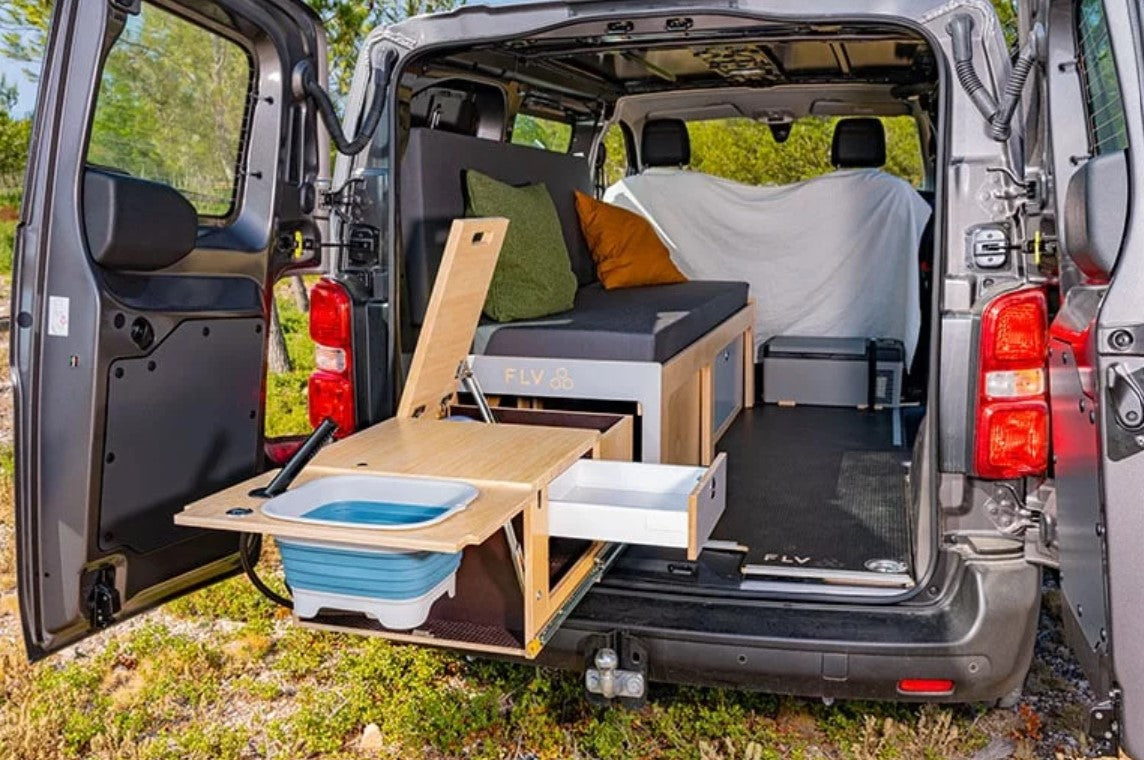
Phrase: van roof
(481, 21)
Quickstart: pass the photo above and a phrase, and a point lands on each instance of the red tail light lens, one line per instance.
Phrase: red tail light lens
(332, 396)
(1012, 430)
(1015, 330)
(932, 686)
(1017, 440)
(331, 388)
(330, 314)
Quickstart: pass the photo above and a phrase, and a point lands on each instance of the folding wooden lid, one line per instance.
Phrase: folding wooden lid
(452, 316)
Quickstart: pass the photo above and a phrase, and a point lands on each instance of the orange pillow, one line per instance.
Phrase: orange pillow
(624, 246)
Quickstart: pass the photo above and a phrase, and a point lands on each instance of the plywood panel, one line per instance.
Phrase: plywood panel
(451, 318)
(681, 419)
(522, 454)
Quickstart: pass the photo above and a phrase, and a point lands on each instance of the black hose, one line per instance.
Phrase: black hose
(249, 549)
(999, 124)
(307, 82)
(961, 30)
(999, 115)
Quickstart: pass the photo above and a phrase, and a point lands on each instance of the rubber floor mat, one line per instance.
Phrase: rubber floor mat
(872, 491)
(815, 487)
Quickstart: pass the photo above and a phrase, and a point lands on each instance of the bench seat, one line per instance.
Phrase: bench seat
(667, 348)
(649, 324)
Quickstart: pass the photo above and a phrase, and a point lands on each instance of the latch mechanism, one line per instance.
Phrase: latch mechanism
(103, 598)
(989, 247)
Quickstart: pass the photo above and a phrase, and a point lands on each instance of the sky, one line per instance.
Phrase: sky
(14, 72)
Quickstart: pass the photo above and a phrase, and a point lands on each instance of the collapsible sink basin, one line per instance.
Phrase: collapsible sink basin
(372, 501)
(395, 588)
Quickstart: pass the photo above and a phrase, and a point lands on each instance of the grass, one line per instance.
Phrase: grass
(286, 406)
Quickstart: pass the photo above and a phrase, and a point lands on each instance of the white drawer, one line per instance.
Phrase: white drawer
(638, 503)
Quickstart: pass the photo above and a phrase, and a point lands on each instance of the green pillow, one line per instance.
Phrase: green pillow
(533, 277)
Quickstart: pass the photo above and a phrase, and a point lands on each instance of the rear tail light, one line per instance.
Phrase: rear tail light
(1012, 430)
(331, 388)
(929, 686)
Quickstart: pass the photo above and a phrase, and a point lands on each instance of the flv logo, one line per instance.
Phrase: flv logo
(785, 559)
(559, 380)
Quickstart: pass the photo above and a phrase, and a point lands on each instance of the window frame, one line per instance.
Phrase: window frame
(243, 141)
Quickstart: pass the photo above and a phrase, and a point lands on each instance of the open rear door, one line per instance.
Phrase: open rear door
(172, 179)
(1097, 359)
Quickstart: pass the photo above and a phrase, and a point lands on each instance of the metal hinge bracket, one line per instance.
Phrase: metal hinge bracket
(1104, 722)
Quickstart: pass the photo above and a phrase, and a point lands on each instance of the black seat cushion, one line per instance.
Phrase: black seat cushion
(649, 324)
(858, 143)
(432, 196)
(665, 142)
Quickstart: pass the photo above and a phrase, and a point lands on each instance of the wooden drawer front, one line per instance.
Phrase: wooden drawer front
(637, 503)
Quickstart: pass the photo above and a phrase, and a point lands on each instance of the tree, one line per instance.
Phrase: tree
(14, 133)
(24, 32)
(24, 24)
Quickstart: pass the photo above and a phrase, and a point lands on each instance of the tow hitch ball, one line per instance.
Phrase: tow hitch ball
(609, 681)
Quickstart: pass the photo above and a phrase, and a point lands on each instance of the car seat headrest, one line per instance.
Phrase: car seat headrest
(858, 143)
(665, 143)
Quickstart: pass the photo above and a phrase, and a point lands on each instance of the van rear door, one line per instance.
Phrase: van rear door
(172, 179)
(1097, 348)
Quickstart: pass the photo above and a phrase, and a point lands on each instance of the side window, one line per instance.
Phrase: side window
(1104, 108)
(539, 132)
(171, 108)
(616, 158)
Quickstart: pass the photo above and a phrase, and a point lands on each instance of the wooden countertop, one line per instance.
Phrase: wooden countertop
(474, 451)
(510, 464)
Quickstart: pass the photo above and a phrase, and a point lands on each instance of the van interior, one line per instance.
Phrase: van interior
(838, 267)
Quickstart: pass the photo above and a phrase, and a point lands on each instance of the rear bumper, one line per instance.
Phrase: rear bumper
(978, 632)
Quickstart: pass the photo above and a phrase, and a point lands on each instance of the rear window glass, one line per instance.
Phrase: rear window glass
(171, 108)
(1103, 106)
(616, 155)
(744, 150)
(538, 132)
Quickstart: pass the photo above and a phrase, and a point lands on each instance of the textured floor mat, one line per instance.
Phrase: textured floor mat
(872, 491)
(815, 487)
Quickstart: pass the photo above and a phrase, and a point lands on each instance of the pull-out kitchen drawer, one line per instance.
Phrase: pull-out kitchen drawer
(638, 503)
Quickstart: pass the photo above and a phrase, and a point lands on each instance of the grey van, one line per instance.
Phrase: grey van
(889, 552)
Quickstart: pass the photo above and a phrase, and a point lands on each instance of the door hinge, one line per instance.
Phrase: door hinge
(1009, 514)
(103, 598)
(1104, 721)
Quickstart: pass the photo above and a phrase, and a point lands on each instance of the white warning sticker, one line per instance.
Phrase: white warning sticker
(58, 315)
